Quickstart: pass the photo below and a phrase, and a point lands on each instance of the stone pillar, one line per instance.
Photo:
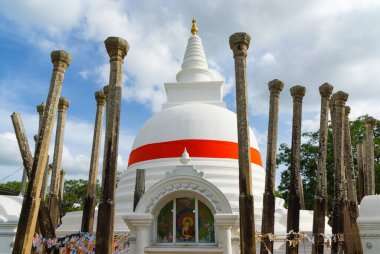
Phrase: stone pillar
(28, 217)
(341, 216)
(225, 222)
(294, 201)
(41, 112)
(139, 186)
(117, 49)
(57, 159)
(90, 201)
(320, 199)
(361, 175)
(23, 183)
(61, 184)
(140, 226)
(370, 155)
(23, 144)
(351, 183)
(267, 225)
(239, 43)
(45, 179)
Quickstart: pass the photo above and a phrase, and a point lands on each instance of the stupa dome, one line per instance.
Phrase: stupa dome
(201, 128)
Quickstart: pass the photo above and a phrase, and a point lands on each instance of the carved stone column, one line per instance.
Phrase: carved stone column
(90, 201)
(239, 43)
(139, 186)
(341, 216)
(370, 156)
(45, 179)
(294, 201)
(351, 183)
(117, 49)
(361, 175)
(267, 225)
(41, 112)
(57, 159)
(61, 184)
(320, 199)
(28, 217)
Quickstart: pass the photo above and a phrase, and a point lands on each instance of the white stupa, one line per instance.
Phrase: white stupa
(189, 152)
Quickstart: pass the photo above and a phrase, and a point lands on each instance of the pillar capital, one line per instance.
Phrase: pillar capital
(106, 90)
(100, 98)
(63, 104)
(347, 110)
(63, 172)
(298, 92)
(275, 86)
(340, 98)
(325, 90)
(239, 43)
(60, 59)
(41, 108)
(370, 121)
(116, 47)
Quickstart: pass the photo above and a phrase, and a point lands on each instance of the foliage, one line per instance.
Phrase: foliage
(12, 185)
(75, 192)
(309, 158)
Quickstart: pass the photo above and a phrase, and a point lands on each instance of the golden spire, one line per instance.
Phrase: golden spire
(194, 28)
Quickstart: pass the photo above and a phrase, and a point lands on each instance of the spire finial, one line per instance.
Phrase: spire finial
(194, 29)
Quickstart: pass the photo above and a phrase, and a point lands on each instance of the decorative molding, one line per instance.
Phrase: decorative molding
(183, 186)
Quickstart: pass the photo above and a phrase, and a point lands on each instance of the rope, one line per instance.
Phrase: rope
(2, 179)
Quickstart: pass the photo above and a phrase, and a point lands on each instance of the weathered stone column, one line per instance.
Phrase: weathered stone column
(41, 111)
(117, 49)
(28, 217)
(23, 144)
(139, 186)
(57, 159)
(267, 225)
(61, 184)
(341, 216)
(320, 199)
(239, 43)
(351, 183)
(370, 156)
(294, 201)
(45, 179)
(23, 183)
(361, 175)
(90, 201)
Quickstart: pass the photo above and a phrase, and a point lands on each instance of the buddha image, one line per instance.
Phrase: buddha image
(187, 228)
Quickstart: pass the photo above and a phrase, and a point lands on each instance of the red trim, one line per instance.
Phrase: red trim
(195, 147)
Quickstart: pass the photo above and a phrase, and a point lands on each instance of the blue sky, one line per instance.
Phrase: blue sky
(299, 42)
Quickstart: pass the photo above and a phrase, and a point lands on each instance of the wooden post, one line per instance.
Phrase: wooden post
(28, 217)
(139, 187)
(370, 156)
(320, 199)
(239, 43)
(361, 174)
(57, 159)
(351, 183)
(294, 201)
(267, 225)
(117, 49)
(90, 201)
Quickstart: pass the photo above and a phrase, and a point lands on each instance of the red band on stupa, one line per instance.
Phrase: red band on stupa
(195, 148)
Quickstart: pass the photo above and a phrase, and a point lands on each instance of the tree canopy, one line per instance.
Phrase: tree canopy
(309, 158)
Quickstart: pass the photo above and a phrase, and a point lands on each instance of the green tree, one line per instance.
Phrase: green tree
(309, 158)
